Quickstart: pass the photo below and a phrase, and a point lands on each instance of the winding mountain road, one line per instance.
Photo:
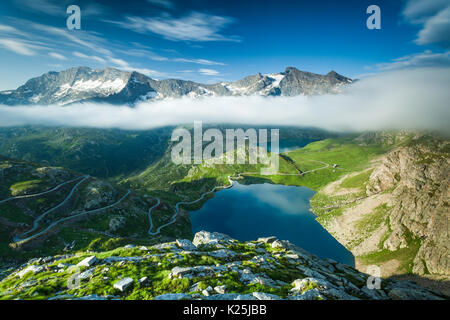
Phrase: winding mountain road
(41, 193)
(19, 239)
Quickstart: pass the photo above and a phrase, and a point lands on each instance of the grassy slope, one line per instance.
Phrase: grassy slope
(100, 152)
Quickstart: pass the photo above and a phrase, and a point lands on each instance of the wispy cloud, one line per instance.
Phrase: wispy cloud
(209, 72)
(423, 59)
(57, 56)
(81, 38)
(10, 30)
(82, 44)
(124, 65)
(196, 26)
(434, 17)
(143, 53)
(394, 100)
(89, 57)
(18, 46)
(199, 61)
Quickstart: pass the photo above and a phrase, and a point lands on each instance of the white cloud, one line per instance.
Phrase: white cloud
(423, 59)
(403, 99)
(208, 72)
(85, 56)
(142, 53)
(434, 17)
(57, 56)
(80, 38)
(17, 46)
(436, 30)
(199, 61)
(196, 26)
(124, 65)
(10, 30)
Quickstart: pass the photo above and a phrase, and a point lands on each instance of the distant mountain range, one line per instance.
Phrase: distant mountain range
(83, 84)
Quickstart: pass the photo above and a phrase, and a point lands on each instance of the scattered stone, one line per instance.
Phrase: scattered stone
(205, 293)
(32, 269)
(220, 289)
(186, 245)
(123, 284)
(222, 254)
(114, 259)
(85, 275)
(312, 294)
(87, 262)
(173, 296)
(198, 271)
(166, 246)
(195, 287)
(277, 244)
(267, 239)
(265, 296)
(143, 281)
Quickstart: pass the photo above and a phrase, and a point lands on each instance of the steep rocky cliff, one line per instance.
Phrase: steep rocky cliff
(417, 176)
(395, 213)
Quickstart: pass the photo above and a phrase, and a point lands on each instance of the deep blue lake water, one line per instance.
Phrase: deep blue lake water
(247, 212)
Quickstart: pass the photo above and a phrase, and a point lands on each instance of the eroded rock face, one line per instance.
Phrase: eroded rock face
(418, 177)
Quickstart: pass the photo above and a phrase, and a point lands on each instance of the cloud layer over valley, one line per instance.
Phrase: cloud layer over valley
(404, 99)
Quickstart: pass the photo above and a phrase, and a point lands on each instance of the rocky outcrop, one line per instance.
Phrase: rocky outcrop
(395, 218)
(418, 178)
(265, 269)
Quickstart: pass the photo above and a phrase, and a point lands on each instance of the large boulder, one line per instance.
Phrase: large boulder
(205, 237)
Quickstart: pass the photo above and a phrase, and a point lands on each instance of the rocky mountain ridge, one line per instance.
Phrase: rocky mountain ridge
(109, 85)
(211, 267)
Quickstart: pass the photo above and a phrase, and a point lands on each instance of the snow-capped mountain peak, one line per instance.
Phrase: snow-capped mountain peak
(111, 85)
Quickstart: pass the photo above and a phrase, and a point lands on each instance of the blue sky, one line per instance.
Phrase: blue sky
(211, 41)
